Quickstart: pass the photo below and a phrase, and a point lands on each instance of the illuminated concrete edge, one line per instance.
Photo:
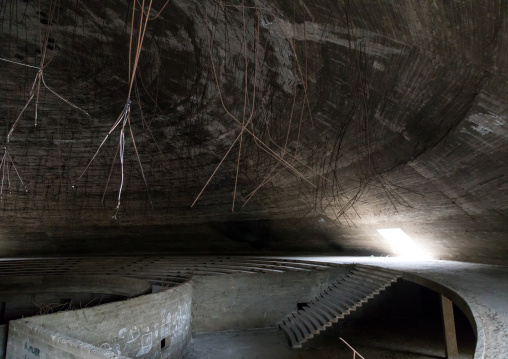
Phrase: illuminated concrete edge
(478, 290)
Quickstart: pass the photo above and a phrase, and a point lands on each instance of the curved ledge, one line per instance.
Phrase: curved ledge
(456, 298)
(125, 329)
(478, 290)
(100, 284)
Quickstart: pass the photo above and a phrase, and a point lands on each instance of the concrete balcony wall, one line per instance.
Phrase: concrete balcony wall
(132, 328)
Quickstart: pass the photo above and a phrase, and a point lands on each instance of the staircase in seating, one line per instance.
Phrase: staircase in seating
(345, 295)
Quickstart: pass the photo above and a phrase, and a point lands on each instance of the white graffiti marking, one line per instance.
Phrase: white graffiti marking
(134, 334)
(146, 344)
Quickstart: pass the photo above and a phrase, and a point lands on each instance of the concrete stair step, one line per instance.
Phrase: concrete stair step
(372, 278)
(336, 310)
(354, 288)
(290, 334)
(316, 325)
(339, 300)
(324, 310)
(347, 296)
(361, 282)
(300, 325)
(387, 273)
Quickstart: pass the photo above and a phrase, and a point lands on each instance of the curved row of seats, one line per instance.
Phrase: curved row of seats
(160, 270)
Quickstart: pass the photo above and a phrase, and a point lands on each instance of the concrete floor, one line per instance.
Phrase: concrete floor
(386, 337)
(483, 287)
(372, 340)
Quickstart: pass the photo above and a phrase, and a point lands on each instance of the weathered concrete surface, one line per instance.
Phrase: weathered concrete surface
(132, 328)
(375, 341)
(28, 295)
(483, 287)
(122, 286)
(31, 341)
(399, 108)
(3, 340)
(247, 301)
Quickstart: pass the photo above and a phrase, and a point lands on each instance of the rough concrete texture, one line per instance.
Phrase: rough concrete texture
(483, 287)
(376, 341)
(31, 341)
(3, 339)
(27, 295)
(27, 305)
(366, 114)
(122, 286)
(132, 328)
(403, 322)
(247, 301)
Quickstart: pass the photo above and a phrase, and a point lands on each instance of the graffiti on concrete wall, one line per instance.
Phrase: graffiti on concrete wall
(138, 340)
(115, 349)
(166, 322)
(146, 344)
(176, 322)
(31, 351)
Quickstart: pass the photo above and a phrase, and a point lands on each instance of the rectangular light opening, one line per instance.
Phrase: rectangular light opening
(402, 245)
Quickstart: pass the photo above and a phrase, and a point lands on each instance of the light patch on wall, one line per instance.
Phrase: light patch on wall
(403, 245)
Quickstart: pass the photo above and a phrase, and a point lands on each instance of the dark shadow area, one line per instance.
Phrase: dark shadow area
(22, 306)
(404, 322)
(296, 236)
(25, 295)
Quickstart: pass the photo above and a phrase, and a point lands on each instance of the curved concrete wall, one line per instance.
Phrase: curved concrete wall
(476, 289)
(34, 341)
(132, 328)
(128, 287)
(472, 315)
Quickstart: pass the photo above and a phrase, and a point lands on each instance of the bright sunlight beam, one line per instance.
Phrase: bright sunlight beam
(403, 245)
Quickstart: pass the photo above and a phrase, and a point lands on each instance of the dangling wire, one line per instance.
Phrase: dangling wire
(34, 93)
(122, 150)
(4, 165)
(246, 120)
(121, 119)
(124, 117)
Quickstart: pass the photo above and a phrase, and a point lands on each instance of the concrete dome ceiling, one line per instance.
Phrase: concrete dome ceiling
(356, 115)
